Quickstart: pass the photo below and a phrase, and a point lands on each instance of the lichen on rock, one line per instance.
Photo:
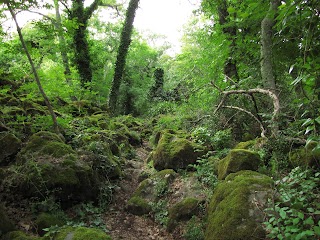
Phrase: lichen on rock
(82, 233)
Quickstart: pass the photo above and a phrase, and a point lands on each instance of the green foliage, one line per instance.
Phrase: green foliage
(160, 211)
(205, 172)
(194, 229)
(295, 212)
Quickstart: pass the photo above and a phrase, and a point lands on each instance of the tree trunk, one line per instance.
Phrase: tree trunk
(82, 55)
(267, 72)
(230, 67)
(267, 23)
(34, 70)
(125, 41)
(62, 43)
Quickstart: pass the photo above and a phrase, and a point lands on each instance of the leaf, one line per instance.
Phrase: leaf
(317, 230)
(301, 215)
(295, 221)
(309, 129)
(297, 80)
(291, 68)
(307, 122)
(309, 221)
(283, 214)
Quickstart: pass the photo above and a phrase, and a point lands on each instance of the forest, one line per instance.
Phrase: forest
(104, 135)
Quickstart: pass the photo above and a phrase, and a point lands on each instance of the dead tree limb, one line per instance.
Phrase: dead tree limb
(263, 130)
(272, 95)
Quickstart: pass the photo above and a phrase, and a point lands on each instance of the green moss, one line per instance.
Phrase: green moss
(9, 146)
(305, 156)
(19, 235)
(237, 160)
(233, 212)
(6, 225)
(138, 206)
(183, 210)
(56, 149)
(46, 220)
(175, 152)
(82, 233)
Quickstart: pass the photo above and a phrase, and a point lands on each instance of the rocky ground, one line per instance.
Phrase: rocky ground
(124, 225)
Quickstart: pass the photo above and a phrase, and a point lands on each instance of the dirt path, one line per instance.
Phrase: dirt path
(123, 225)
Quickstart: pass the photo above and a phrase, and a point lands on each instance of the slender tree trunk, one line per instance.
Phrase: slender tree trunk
(230, 67)
(122, 54)
(62, 43)
(267, 24)
(34, 70)
(267, 70)
(82, 55)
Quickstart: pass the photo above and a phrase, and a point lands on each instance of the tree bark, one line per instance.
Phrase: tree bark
(267, 24)
(82, 55)
(62, 43)
(267, 70)
(230, 68)
(34, 70)
(125, 42)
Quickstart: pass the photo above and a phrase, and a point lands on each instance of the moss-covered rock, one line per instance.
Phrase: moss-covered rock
(46, 220)
(9, 147)
(19, 235)
(6, 225)
(150, 190)
(235, 211)
(183, 210)
(175, 152)
(47, 165)
(82, 233)
(138, 206)
(237, 160)
(305, 156)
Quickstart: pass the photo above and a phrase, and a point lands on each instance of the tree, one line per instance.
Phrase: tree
(34, 70)
(125, 41)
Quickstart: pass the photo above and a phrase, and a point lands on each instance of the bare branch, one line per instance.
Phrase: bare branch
(263, 130)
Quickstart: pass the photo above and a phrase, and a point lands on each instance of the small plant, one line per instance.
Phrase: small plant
(194, 230)
(51, 232)
(160, 212)
(205, 172)
(295, 213)
(161, 188)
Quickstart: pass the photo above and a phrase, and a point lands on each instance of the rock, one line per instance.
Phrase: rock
(150, 190)
(308, 156)
(81, 233)
(236, 208)
(46, 165)
(237, 160)
(19, 235)
(175, 152)
(6, 225)
(46, 220)
(183, 210)
(9, 147)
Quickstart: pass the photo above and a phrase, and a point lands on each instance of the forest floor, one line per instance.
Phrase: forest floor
(124, 225)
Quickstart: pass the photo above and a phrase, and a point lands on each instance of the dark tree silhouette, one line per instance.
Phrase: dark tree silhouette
(125, 41)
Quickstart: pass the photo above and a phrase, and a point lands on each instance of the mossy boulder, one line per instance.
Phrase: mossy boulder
(237, 160)
(149, 191)
(9, 147)
(19, 235)
(47, 165)
(182, 211)
(6, 225)
(138, 206)
(175, 152)
(308, 156)
(46, 220)
(82, 233)
(235, 210)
